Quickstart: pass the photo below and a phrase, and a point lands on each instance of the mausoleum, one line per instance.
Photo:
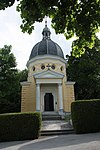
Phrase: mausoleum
(47, 88)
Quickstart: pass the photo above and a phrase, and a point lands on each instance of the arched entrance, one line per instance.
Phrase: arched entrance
(48, 102)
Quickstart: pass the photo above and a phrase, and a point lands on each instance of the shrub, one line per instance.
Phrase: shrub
(9, 107)
(19, 126)
(86, 116)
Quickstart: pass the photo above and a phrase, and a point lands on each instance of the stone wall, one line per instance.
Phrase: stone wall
(68, 95)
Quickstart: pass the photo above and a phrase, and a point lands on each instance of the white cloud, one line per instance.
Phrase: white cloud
(22, 43)
(98, 35)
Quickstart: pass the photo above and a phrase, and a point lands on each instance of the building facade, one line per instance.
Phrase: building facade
(47, 88)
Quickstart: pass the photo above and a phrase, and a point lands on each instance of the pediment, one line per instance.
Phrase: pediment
(48, 74)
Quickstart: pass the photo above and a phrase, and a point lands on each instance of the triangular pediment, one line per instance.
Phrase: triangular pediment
(48, 74)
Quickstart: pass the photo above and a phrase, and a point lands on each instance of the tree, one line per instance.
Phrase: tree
(6, 3)
(85, 71)
(23, 75)
(71, 17)
(10, 78)
(9, 88)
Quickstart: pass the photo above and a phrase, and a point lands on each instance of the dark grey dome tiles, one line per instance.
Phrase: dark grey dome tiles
(46, 47)
(42, 49)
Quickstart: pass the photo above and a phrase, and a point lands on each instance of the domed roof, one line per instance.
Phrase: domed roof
(46, 46)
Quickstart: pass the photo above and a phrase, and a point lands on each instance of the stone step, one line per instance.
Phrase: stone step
(56, 132)
(56, 125)
(51, 117)
(50, 113)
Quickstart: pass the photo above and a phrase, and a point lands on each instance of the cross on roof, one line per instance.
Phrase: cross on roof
(48, 66)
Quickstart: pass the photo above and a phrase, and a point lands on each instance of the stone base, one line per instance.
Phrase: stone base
(61, 112)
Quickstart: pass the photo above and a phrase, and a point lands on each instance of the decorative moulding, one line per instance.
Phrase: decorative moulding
(48, 74)
(25, 83)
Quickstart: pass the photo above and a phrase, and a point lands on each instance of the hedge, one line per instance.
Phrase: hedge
(9, 107)
(86, 116)
(19, 126)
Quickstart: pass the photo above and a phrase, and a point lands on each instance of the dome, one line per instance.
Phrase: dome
(46, 46)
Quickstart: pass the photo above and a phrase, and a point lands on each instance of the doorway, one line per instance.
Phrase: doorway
(48, 102)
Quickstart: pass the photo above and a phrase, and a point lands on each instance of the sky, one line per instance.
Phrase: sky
(22, 43)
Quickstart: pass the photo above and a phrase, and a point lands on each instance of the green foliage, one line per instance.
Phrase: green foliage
(70, 17)
(23, 75)
(9, 83)
(80, 18)
(67, 117)
(6, 3)
(86, 116)
(10, 79)
(85, 71)
(19, 126)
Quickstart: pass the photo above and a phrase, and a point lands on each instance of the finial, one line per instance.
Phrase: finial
(46, 31)
(45, 21)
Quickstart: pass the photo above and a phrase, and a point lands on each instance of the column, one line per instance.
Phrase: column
(37, 97)
(60, 97)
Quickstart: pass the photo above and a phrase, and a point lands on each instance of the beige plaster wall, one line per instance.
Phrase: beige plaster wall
(68, 96)
(24, 98)
(37, 64)
(28, 100)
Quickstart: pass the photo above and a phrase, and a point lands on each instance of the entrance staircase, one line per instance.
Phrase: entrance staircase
(55, 124)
